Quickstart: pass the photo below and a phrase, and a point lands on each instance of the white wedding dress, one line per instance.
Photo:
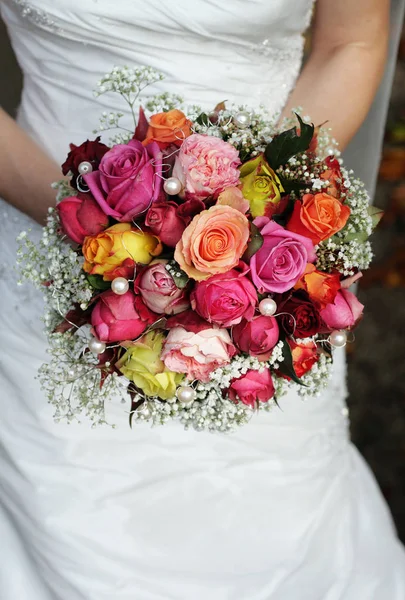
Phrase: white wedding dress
(283, 509)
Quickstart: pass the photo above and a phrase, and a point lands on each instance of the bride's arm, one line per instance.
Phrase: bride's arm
(345, 66)
(26, 173)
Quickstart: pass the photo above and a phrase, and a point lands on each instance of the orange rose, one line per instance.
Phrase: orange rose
(171, 127)
(321, 287)
(113, 251)
(213, 242)
(304, 356)
(318, 217)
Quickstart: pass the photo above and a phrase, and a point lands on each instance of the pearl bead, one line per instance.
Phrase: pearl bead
(85, 167)
(267, 307)
(96, 347)
(71, 374)
(172, 186)
(120, 286)
(338, 339)
(242, 119)
(186, 394)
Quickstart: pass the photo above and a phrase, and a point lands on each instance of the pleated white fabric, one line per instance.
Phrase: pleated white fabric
(285, 508)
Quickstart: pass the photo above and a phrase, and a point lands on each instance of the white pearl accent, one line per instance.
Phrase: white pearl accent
(96, 347)
(242, 119)
(71, 374)
(267, 307)
(338, 339)
(172, 186)
(120, 286)
(186, 394)
(85, 167)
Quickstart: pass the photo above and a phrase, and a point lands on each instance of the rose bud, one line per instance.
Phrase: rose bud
(89, 151)
(158, 290)
(255, 386)
(344, 313)
(81, 216)
(119, 318)
(225, 299)
(257, 337)
(164, 221)
(304, 356)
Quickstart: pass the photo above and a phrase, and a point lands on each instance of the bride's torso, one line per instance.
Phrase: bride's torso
(244, 51)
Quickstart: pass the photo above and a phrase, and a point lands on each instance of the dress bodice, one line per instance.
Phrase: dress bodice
(244, 51)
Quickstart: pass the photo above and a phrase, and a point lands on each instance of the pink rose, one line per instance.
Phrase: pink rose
(225, 299)
(119, 318)
(255, 386)
(128, 179)
(164, 221)
(158, 290)
(81, 216)
(282, 259)
(344, 312)
(206, 166)
(197, 354)
(257, 337)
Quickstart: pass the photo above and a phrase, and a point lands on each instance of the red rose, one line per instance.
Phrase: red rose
(225, 299)
(255, 386)
(304, 356)
(81, 216)
(256, 337)
(302, 318)
(164, 221)
(89, 151)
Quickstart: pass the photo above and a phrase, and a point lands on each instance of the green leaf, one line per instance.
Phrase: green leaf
(376, 215)
(98, 283)
(255, 243)
(203, 119)
(180, 278)
(288, 144)
(292, 185)
(287, 366)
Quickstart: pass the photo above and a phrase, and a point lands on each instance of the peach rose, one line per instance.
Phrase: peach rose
(213, 242)
(318, 217)
(171, 127)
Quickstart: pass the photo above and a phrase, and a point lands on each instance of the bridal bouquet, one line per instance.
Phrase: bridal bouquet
(199, 264)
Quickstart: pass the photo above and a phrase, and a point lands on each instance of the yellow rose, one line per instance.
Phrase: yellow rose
(260, 185)
(141, 364)
(105, 252)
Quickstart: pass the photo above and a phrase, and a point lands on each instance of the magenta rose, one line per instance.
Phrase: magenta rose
(81, 216)
(118, 318)
(257, 337)
(128, 180)
(159, 292)
(164, 221)
(282, 259)
(197, 354)
(89, 151)
(206, 165)
(255, 386)
(298, 315)
(344, 312)
(225, 299)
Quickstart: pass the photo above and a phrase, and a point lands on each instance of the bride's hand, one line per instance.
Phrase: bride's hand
(345, 66)
(26, 172)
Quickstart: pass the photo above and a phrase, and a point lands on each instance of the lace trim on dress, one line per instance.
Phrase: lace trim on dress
(35, 15)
